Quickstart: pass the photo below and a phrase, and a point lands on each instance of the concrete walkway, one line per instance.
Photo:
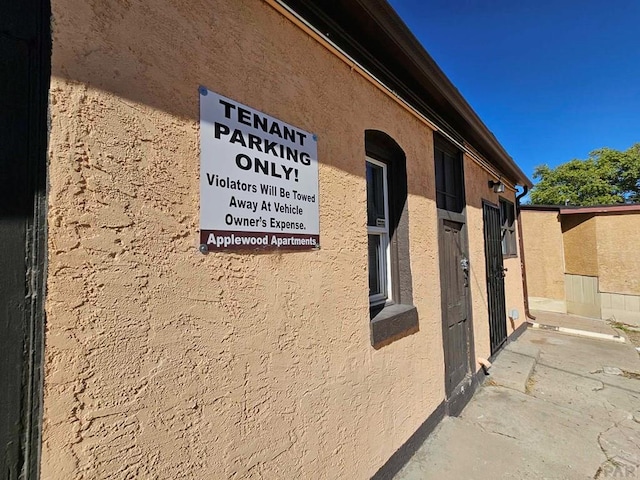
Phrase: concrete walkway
(573, 323)
(554, 407)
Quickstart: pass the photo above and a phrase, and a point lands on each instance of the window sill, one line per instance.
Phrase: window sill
(392, 322)
(511, 255)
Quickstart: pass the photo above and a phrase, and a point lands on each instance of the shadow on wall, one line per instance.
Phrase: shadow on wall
(126, 49)
(569, 222)
(155, 55)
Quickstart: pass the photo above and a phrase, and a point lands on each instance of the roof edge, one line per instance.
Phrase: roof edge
(575, 209)
(399, 61)
(395, 28)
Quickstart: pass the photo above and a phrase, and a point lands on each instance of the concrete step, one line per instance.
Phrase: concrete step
(513, 367)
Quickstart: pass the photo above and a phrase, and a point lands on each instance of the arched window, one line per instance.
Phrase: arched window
(389, 266)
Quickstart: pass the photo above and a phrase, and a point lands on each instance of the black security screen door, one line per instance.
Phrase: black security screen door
(495, 276)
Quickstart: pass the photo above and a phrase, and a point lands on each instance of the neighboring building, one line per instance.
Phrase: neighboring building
(161, 361)
(584, 260)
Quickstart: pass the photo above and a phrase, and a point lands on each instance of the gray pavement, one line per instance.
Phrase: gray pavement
(554, 407)
(574, 321)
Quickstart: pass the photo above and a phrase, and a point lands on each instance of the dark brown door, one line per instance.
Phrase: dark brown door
(455, 315)
(495, 276)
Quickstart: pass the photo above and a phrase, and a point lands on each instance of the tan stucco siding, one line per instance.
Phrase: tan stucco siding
(513, 293)
(514, 296)
(477, 190)
(618, 256)
(544, 254)
(162, 362)
(477, 272)
(579, 242)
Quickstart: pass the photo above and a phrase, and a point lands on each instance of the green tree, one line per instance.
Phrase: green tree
(608, 176)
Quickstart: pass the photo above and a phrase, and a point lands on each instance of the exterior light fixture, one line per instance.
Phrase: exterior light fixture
(498, 187)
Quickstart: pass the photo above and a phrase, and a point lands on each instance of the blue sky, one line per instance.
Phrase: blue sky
(553, 80)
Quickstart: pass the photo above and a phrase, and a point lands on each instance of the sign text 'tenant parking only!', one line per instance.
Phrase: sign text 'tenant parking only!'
(258, 180)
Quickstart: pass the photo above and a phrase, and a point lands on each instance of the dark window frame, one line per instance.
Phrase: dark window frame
(508, 229)
(397, 317)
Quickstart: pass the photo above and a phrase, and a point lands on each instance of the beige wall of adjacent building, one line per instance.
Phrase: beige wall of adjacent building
(164, 362)
(600, 277)
(580, 244)
(619, 266)
(618, 253)
(544, 255)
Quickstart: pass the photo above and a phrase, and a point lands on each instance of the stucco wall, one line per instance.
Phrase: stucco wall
(477, 190)
(544, 254)
(164, 363)
(601, 263)
(513, 293)
(579, 242)
(617, 253)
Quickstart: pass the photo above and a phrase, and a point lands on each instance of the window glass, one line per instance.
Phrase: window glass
(449, 188)
(449, 175)
(440, 188)
(375, 287)
(378, 232)
(508, 230)
(505, 241)
(375, 195)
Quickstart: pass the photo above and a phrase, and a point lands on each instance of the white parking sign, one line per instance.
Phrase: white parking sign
(258, 180)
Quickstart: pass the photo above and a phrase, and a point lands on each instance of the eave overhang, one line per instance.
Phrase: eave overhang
(373, 34)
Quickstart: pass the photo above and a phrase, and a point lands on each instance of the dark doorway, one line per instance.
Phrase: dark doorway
(457, 333)
(25, 51)
(455, 312)
(495, 276)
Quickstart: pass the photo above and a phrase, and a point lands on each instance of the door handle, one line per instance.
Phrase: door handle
(464, 264)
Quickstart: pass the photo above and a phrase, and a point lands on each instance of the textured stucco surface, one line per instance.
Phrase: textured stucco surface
(580, 244)
(601, 246)
(618, 258)
(164, 363)
(476, 190)
(544, 251)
